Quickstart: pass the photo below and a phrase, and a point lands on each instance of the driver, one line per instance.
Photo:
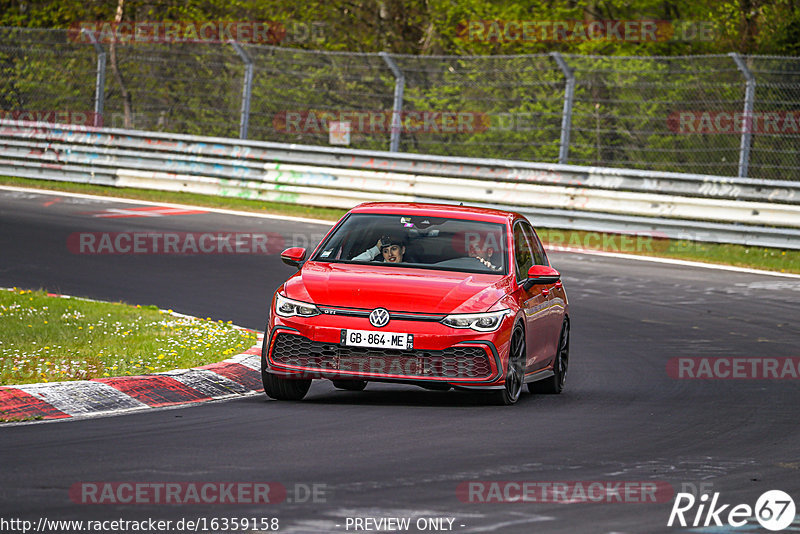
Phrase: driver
(391, 247)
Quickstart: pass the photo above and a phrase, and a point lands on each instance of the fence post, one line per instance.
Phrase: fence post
(747, 122)
(247, 89)
(100, 80)
(397, 108)
(566, 116)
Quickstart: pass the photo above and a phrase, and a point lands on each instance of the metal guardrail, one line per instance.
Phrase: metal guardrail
(680, 206)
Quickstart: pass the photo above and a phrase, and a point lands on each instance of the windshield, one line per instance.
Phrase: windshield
(418, 241)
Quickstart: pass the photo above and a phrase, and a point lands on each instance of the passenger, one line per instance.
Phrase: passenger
(484, 252)
(391, 247)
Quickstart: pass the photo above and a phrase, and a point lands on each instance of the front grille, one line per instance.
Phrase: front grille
(453, 362)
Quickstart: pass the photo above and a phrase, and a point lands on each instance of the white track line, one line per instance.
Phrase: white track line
(672, 261)
(684, 263)
(168, 204)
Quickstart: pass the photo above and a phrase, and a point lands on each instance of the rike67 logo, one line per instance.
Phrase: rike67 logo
(774, 510)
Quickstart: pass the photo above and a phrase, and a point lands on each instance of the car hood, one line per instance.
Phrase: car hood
(396, 288)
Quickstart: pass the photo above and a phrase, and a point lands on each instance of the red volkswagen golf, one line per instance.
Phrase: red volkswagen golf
(434, 295)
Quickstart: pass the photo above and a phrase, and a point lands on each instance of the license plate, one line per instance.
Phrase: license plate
(377, 340)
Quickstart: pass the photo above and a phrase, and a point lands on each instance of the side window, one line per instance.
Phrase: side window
(539, 257)
(522, 253)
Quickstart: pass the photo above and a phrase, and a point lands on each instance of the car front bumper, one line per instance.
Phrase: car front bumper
(312, 348)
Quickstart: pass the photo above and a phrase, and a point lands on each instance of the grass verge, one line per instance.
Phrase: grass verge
(771, 259)
(6, 418)
(48, 338)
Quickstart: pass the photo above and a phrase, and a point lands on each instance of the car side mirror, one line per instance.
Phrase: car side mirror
(293, 256)
(541, 275)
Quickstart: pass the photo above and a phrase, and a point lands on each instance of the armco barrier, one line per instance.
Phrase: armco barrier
(696, 207)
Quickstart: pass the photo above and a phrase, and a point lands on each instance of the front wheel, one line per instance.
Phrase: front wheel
(280, 388)
(555, 384)
(284, 388)
(515, 372)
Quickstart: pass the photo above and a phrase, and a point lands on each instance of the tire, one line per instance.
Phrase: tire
(515, 372)
(555, 384)
(285, 389)
(350, 385)
(281, 388)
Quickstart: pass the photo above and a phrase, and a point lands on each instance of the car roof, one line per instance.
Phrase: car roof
(438, 210)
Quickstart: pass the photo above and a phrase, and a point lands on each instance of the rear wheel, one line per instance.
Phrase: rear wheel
(555, 384)
(515, 372)
(350, 385)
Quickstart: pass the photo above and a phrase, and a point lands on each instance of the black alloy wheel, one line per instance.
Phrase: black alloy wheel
(555, 384)
(515, 372)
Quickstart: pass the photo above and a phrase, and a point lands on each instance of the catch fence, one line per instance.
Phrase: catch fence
(724, 115)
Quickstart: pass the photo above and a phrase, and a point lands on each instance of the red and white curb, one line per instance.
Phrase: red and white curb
(235, 377)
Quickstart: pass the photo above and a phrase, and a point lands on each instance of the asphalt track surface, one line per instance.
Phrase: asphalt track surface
(397, 451)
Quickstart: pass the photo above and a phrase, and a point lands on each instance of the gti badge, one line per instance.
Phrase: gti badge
(379, 317)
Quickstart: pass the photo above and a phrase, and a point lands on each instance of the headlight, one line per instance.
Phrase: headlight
(294, 308)
(482, 322)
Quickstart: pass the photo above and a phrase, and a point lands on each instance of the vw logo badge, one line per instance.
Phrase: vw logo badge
(379, 317)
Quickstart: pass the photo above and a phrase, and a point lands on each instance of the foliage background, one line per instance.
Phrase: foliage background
(625, 91)
(428, 27)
